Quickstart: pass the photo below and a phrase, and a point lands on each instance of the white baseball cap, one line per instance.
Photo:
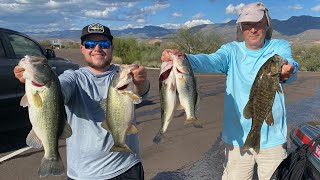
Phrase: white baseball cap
(253, 12)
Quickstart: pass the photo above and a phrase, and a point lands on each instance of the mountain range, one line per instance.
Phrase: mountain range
(296, 29)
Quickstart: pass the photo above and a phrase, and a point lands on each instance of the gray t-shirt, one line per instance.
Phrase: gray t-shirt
(88, 155)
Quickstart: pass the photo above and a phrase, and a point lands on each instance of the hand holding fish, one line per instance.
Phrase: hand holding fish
(139, 75)
(166, 54)
(18, 73)
(286, 72)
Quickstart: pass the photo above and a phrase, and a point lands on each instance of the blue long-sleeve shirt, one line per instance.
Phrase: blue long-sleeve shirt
(241, 66)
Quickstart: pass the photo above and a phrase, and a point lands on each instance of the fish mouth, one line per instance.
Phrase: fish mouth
(165, 75)
(37, 84)
(123, 87)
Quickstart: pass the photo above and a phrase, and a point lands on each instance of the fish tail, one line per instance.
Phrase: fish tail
(158, 137)
(252, 141)
(194, 121)
(51, 167)
(121, 148)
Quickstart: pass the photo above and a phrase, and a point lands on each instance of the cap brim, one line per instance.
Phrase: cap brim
(250, 17)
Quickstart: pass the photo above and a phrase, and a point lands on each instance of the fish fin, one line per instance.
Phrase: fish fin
(246, 111)
(67, 131)
(121, 148)
(132, 129)
(24, 101)
(51, 167)
(178, 104)
(173, 87)
(158, 137)
(37, 101)
(279, 88)
(269, 119)
(135, 98)
(194, 121)
(197, 107)
(252, 141)
(103, 104)
(105, 125)
(33, 140)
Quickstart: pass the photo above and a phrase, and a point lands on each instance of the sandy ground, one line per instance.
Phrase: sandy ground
(182, 147)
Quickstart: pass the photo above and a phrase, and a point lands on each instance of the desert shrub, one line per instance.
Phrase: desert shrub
(195, 43)
(308, 57)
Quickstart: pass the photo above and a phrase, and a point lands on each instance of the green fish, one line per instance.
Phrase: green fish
(119, 108)
(178, 90)
(46, 113)
(261, 98)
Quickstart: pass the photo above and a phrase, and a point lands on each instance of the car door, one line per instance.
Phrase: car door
(8, 81)
(22, 46)
(12, 115)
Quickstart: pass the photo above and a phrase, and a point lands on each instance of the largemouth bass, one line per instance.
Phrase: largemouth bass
(178, 90)
(46, 113)
(168, 97)
(261, 99)
(119, 108)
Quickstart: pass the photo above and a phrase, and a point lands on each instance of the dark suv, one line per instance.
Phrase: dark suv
(14, 46)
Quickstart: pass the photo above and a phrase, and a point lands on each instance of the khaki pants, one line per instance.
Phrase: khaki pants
(239, 164)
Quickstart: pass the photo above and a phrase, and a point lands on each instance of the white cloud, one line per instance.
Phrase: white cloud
(197, 22)
(171, 26)
(176, 14)
(141, 20)
(187, 24)
(155, 8)
(13, 7)
(234, 9)
(316, 8)
(100, 14)
(198, 16)
(128, 26)
(295, 7)
(52, 4)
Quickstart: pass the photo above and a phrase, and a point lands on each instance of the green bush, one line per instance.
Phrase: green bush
(308, 57)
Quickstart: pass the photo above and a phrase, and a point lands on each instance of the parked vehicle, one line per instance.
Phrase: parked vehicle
(14, 46)
(303, 134)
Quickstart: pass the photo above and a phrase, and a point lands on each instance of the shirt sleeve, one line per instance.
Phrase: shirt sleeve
(285, 51)
(146, 93)
(208, 63)
(68, 84)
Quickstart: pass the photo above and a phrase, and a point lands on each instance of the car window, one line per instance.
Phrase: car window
(23, 46)
(2, 53)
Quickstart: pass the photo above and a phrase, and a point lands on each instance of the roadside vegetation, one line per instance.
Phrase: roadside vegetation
(148, 53)
(308, 56)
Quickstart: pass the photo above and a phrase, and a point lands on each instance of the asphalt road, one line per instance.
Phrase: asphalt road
(184, 151)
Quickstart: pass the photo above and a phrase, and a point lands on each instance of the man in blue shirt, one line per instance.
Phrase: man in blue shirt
(88, 148)
(241, 61)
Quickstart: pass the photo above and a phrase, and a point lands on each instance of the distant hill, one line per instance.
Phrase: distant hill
(296, 28)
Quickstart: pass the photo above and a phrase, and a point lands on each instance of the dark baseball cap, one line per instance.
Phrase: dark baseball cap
(96, 28)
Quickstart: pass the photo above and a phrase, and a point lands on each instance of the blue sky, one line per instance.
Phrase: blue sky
(56, 15)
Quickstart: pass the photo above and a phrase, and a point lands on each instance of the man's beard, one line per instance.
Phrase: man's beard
(100, 66)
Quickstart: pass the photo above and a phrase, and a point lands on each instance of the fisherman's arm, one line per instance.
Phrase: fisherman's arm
(289, 71)
(68, 84)
(141, 82)
(205, 63)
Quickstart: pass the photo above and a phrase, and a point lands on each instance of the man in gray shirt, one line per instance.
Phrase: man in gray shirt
(88, 149)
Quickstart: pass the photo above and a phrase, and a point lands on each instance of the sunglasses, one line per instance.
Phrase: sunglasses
(92, 44)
